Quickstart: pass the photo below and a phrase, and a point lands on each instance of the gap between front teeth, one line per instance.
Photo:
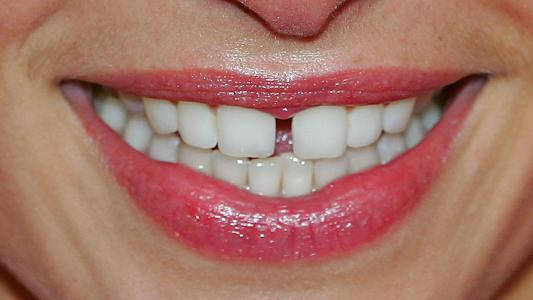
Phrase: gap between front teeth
(236, 144)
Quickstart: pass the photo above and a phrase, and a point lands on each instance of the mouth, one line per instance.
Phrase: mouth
(251, 168)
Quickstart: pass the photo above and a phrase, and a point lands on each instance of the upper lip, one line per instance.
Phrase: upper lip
(215, 87)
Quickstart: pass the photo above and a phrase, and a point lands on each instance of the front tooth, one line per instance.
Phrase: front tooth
(195, 158)
(431, 115)
(138, 133)
(320, 132)
(397, 115)
(361, 159)
(390, 146)
(415, 133)
(197, 124)
(230, 169)
(264, 177)
(327, 170)
(162, 115)
(244, 132)
(113, 113)
(164, 148)
(365, 124)
(297, 178)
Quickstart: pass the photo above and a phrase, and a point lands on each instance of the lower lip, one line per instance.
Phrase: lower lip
(222, 221)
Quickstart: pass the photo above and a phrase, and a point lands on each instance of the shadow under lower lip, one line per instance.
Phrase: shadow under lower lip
(224, 222)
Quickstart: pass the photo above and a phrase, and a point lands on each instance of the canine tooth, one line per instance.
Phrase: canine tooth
(327, 170)
(133, 104)
(162, 115)
(113, 113)
(297, 178)
(415, 133)
(431, 116)
(365, 124)
(360, 159)
(138, 133)
(195, 158)
(397, 115)
(264, 177)
(164, 148)
(320, 132)
(197, 124)
(230, 169)
(390, 146)
(244, 132)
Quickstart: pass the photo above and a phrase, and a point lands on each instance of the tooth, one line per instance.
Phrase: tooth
(265, 176)
(195, 158)
(390, 146)
(230, 169)
(320, 132)
(138, 133)
(365, 124)
(397, 114)
(415, 133)
(197, 124)
(327, 170)
(244, 132)
(164, 148)
(297, 178)
(133, 104)
(113, 113)
(364, 158)
(431, 115)
(162, 115)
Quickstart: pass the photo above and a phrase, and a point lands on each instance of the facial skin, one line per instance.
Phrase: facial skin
(69, 231)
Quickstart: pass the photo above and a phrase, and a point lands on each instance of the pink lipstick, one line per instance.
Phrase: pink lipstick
(223, 221)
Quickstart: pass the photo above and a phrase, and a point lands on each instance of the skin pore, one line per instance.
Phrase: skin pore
(69, 231)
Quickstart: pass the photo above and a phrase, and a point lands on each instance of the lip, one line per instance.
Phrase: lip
(222, 221)
(279, 97)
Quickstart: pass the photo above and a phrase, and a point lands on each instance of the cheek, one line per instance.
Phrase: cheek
(521, 11)
(19, 18)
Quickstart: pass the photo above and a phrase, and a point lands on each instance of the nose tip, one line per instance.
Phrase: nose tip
(301, 18)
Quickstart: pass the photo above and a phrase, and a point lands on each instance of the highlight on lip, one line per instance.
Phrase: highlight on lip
(204, 194)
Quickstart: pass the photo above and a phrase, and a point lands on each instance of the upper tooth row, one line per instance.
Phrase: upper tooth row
(320, 132)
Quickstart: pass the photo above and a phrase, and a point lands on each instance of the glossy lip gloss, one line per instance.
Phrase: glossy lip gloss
(223, 221)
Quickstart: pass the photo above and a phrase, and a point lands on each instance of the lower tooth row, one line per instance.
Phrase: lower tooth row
(284, 175)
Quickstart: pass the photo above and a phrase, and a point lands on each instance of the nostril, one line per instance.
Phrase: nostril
(300, 18)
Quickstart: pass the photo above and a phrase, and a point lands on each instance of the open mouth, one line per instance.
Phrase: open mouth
(279, 173)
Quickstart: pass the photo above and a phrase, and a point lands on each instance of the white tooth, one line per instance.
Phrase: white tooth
(327, 170)
(195, 158)
(265, 176)
(320, 132)
(297, 178)
(113, 113)
(230, 169)
(244, 132)
(431, 115)
(390, 146)
(133, 104)
(197, 124)
(415, 132)
(162, 115)
(365, 124)
(364, 158)
(397, 115)
(164, 148)
(138, 133)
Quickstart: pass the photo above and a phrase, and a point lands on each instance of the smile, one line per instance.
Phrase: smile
(257, 169)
